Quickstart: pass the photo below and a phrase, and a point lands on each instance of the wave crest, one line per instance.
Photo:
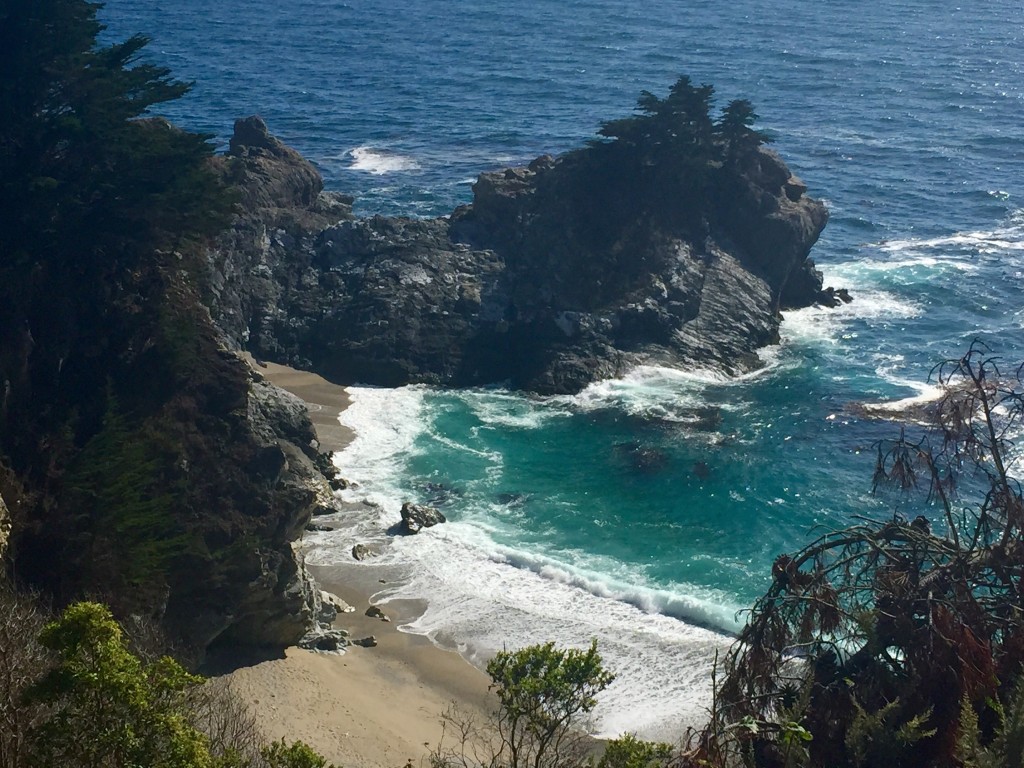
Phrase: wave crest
(379, 162)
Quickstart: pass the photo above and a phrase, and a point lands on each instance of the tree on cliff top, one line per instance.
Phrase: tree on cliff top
(99, 202)
(667, 158)
(82, 179)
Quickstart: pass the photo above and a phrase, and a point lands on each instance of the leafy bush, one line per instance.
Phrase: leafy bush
(106, 707)
(630, 752)
(544, 695)
(294, 755)
(79, 697)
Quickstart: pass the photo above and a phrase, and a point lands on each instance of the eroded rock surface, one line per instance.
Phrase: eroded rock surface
(536, 283)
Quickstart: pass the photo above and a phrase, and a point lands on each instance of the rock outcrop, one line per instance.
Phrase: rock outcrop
(261, 266)
(5, 535)
(416, 517)
(164, 475)
(536, 283)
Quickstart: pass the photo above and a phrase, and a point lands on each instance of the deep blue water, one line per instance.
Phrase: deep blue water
(602, 515)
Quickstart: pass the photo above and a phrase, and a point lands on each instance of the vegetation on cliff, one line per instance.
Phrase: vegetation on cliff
(670, 171)
(890, 643)
(75, 693)
(130, 459)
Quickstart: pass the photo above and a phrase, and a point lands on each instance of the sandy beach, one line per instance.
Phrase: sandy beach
(375, 707)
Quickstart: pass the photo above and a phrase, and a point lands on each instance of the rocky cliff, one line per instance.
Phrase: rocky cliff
(154, 469)
(557, 275)
(144, 462)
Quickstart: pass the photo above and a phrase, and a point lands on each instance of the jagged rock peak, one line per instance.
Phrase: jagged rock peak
(252, 132)
(567, 271)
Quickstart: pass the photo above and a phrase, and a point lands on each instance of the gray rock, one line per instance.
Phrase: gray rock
(366, 642)
(5, 536)
(416, 517)
(362, 552)
(374, 612)
(327, 641)
(517, 286)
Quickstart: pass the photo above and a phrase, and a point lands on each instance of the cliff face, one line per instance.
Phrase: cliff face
(143, 462)
(555, 276)
(152, 468)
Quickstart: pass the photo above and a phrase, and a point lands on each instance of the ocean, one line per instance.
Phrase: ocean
(614, 514)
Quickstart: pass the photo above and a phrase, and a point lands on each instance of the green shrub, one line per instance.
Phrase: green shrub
(107, 708)
(630, 752)
(544, 696)
(294, 755)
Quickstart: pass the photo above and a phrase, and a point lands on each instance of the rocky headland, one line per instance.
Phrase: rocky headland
(144, 461)
(556, 275)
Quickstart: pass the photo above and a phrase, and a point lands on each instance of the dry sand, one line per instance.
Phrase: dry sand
(374, 707)
(323, 399)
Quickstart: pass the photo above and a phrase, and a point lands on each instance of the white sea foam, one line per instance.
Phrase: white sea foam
(828, 324)
(386, 423)
(497, 408)
(1009, 236)
(379, 161)
(900, 263)
(482, 596)
(665, 394)
(906, 408)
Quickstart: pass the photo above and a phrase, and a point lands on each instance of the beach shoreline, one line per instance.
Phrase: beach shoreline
(376, 706)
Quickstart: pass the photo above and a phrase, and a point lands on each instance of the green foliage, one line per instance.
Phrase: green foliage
(669, 163)
(737, 132)
(122, 485)
(295, 755)
(541, 691)
(108, 709)
(881, 739)
(92, 703)
(95, 194)
(544, 695)
(82, 179)
(630, 752)
(1006, 750)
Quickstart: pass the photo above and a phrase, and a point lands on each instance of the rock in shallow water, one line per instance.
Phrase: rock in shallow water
(416, 517)
(362, 552)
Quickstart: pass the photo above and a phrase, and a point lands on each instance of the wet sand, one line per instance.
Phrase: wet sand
(379, 706)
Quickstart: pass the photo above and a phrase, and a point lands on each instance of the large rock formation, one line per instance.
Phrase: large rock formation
(157, 471)
(261, 265)
(548, 280)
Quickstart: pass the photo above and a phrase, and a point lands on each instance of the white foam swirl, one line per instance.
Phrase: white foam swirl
(379, 162)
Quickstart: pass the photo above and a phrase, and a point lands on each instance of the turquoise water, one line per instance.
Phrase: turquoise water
(646, 511)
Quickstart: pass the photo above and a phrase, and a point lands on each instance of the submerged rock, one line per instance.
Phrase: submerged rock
(644, 459)
(513, 499)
